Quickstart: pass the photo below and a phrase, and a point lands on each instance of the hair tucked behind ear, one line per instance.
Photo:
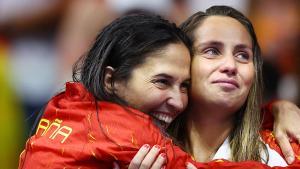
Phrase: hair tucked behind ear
(122, 45)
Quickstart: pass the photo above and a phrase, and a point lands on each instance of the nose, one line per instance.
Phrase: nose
(177, 100)
(229, 65)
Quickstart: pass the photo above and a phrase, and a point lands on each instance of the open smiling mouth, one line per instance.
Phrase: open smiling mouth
(163, 117)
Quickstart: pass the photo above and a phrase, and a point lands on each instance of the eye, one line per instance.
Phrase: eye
(211, 52)
(161, 83)
(185, 87)
(243, 57)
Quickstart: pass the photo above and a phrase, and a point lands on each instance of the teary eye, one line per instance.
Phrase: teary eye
(211, 52)
(243, 57)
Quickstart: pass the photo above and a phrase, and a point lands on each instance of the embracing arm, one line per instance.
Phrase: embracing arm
(284, 117)
(281, 116)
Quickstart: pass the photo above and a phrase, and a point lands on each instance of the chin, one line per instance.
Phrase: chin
(227, 104)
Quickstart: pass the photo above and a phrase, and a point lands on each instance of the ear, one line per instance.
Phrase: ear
(108, 84)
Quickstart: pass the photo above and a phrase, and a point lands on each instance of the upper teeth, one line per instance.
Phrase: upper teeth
(163, 117)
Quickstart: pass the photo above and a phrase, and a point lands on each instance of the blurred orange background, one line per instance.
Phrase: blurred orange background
(41, 39)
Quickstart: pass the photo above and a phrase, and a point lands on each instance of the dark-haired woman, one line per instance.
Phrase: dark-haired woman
(138, 62)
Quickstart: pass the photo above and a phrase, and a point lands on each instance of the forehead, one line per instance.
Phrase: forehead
(223, 29)
(172, 59)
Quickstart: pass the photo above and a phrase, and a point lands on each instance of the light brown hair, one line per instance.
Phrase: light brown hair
(245, 140)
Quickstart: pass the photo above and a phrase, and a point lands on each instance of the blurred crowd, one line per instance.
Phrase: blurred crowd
(41, 39)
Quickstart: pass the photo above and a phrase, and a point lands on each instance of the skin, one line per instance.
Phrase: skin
(148, 158)
(286, 120)
(164, 76)
(222, 75)
(222, 68)
(229, 58)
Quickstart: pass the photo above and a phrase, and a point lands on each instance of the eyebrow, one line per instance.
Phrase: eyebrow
(168, 76)
(220, 44)
(214, 43)
(163, 75)
(242, 46)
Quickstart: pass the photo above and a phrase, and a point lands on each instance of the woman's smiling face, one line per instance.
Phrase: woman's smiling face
(222, 69)
(159, 86)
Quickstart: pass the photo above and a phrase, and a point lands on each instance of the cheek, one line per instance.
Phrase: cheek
(185, 100)
(152, 99)
(198, 70)
(248, 76)
(200, 75)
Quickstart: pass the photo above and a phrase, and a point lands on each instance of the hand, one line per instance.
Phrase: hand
(190, 166)
(148, 158)
(116, 165)
(286, 126)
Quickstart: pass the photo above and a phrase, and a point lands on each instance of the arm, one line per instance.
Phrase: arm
(286, 115)
(286, 124)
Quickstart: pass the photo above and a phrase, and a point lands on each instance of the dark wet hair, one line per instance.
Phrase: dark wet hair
(124, 44)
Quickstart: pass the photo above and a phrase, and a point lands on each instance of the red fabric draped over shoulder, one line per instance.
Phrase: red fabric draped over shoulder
(72, 134)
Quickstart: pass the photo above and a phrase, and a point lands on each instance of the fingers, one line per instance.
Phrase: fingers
(116, 165)
(159, 162)
(147, 158)
(283, 141)
(190, 166)
(295, 135)
(139, 157)
(150, 157)
(286, 127)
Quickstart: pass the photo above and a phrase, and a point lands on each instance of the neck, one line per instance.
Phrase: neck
(207, 130)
